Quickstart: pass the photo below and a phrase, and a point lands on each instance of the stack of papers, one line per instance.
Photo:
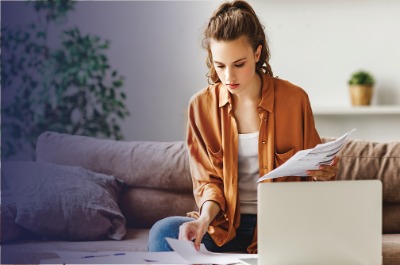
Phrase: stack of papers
(309, 159)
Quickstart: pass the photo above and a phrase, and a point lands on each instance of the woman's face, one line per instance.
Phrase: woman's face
(235, 63)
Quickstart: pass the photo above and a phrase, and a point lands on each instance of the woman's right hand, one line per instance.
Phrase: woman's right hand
(193, 230)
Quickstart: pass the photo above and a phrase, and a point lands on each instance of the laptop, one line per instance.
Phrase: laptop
(321, 223)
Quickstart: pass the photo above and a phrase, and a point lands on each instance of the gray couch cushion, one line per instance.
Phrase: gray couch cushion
(143, 207)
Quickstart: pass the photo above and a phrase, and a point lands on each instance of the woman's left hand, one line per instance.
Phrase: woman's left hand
(325, 172)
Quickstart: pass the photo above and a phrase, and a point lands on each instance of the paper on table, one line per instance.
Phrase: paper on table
(186, 250)
(309, 159)
(103, 257)
(63, 254)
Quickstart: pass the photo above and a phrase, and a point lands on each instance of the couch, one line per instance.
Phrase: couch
(150, 181)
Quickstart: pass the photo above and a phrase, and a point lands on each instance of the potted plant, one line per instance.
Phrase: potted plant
(361, 86)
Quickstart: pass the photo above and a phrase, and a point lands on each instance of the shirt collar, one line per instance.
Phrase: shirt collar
(224, 95)
(268, 93)
(267, 98)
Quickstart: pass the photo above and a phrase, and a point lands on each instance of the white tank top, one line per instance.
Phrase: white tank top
(248, 172)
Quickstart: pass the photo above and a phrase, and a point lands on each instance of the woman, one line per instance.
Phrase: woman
(242, 126)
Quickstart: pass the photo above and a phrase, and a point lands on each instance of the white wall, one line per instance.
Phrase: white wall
(316, 44)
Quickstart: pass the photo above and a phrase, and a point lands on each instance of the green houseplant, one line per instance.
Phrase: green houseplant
(67, 87)
(361, 85)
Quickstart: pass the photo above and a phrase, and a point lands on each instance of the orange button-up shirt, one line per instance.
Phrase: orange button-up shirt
(287, 126)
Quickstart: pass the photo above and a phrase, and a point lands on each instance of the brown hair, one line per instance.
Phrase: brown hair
(231, 21)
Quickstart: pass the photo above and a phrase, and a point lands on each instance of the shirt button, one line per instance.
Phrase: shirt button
(265, 167)
(263, 142)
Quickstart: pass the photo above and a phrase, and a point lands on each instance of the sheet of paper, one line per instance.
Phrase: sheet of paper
(186, 250)
(309, 159)
(108, 258)
(81, 254)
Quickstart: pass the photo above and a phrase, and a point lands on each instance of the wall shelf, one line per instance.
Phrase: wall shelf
(357, 110)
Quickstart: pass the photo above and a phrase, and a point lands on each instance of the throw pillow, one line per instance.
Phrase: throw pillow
(10, 231)
(65, 202)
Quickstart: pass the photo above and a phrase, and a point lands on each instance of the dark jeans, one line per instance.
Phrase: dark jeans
(169, 227)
